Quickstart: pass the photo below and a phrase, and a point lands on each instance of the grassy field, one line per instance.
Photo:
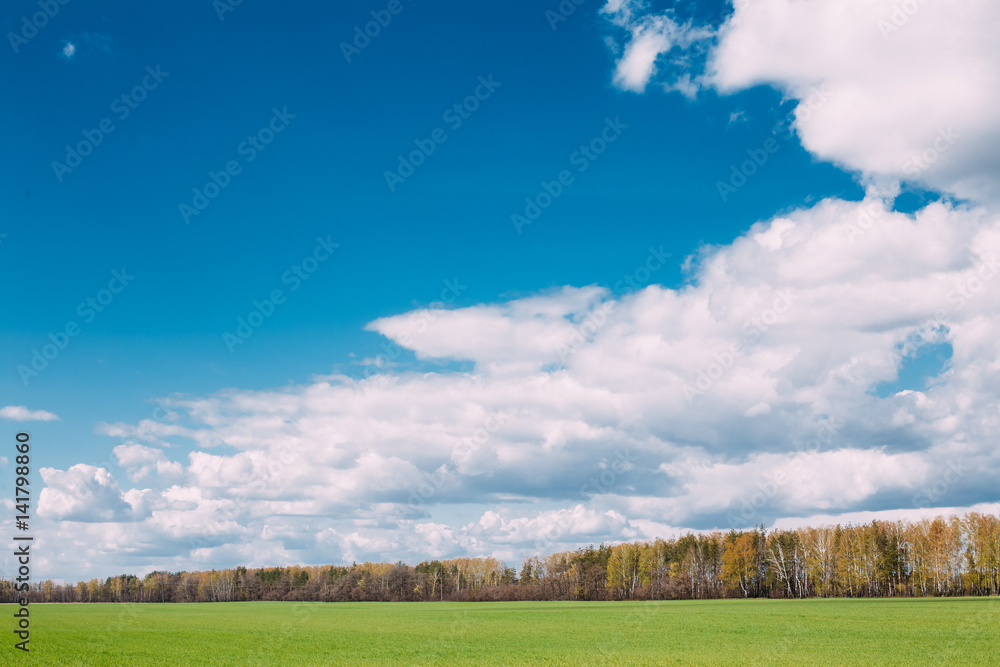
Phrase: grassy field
(735, 632)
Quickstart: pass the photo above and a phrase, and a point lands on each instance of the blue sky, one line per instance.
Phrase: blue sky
(324, 175)
(700, 108)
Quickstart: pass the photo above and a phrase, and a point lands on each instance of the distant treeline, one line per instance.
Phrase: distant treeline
(943, 556)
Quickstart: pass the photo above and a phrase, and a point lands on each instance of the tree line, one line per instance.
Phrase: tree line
(933, 557)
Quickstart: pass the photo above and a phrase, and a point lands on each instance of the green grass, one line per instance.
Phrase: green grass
(735, 632)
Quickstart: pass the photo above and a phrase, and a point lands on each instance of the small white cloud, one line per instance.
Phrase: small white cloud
(140, 462)
(19, 413)
(81, 493)
(736, 117)
(650, 37)
(85, 44)
(759, 409)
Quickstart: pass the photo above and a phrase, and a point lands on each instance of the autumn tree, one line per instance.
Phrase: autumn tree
(739, 562)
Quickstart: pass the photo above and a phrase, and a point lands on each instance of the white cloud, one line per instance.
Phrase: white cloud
(82, 493)
(891, 105)
(538, 533)
(518, 336)
(651, 421)
(746, 395)
(141, 461)
(875, 95)
(85, 44)
(800, 482)
(649, 37)
(861, 518)
(19, 413)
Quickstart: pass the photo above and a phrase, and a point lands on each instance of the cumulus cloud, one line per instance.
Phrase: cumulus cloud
(518, 336)
(749, 394)
(890, 105)
(744, 396)
(82, 493)
(19, 413)
(140, 462)
(875, 96)
(860, 518)
(540, 531)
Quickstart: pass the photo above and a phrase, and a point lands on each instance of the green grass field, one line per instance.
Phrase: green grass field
(956, 631)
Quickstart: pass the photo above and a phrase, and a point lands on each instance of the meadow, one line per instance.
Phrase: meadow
(733, 632)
